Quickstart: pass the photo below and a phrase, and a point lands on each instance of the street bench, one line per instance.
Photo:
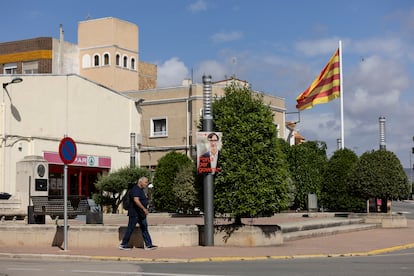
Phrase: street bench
(54, 206)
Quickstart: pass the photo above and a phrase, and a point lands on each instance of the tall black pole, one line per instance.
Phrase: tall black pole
(208, 177)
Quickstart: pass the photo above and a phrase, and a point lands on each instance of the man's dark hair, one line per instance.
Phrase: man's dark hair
(211, 136)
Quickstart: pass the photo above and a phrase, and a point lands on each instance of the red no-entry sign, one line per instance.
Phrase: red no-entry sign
(67, 150)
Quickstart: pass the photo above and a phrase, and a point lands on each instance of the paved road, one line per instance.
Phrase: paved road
(404, 207)
(396, 264)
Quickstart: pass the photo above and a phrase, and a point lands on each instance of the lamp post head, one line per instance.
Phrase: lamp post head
(139, 101)
(14, 80)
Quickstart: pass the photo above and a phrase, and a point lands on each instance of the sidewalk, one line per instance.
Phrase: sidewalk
(367, 242)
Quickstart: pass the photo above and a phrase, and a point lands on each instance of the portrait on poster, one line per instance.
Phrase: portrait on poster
(208, 152)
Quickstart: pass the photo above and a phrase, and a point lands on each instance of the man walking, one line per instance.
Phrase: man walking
(137, 213)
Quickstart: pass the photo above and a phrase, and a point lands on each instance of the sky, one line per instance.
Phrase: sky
(279, 47)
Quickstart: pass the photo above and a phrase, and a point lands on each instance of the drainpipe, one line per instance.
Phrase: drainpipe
(132, 151)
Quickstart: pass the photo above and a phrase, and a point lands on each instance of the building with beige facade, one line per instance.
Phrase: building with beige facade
(39, 112)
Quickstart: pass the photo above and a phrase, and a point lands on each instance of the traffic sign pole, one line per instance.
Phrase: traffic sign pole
(65, 207)
(67, 152)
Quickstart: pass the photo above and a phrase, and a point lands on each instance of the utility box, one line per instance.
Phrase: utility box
(32, 179)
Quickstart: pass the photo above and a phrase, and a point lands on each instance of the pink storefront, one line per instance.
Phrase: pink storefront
(82, 173)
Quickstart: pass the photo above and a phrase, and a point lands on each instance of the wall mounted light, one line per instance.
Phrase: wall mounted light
(15, 80)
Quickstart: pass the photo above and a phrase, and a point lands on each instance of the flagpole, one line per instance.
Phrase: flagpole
(341, 95)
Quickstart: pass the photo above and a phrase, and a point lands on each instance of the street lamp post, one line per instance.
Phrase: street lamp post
(4, 136)
(208, 178)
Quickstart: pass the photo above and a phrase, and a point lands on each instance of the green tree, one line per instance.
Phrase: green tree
(379, 174)
(307, 162)
(254, 177)
(165, 173)
(184, 190)
(111, 187)
(336, 193)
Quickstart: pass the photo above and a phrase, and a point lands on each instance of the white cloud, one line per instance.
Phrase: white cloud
(197, 6)
(392, 47)
(172, 72)
(226, 36)
(217, 70)
(317, 47)
(320, 125)
(375, 84)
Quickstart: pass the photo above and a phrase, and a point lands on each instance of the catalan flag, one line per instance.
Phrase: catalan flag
(325, 87)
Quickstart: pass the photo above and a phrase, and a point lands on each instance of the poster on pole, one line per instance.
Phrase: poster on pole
(208, 152)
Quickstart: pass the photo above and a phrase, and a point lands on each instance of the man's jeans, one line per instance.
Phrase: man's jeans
(143, 225)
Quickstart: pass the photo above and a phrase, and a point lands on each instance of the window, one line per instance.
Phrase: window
(10, 68)
(106, 59)
(56, 184)
(159, 127)
(133, 63)
(118, 60)
(86, 61)
(96, 60)
(31, 67)
(125, 61)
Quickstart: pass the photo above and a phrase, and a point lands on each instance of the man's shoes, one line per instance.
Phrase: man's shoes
(151, 247)
(124, 247)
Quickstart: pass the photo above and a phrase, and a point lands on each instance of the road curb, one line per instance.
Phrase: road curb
(206, 259)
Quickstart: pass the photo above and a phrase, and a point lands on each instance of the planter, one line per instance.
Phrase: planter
(244, 235)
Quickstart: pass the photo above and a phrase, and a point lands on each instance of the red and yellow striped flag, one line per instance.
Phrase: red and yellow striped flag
(324, 88)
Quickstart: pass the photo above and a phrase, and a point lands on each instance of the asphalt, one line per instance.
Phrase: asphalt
(354, 243)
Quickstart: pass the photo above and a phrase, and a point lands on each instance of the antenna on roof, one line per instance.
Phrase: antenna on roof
(234, 63)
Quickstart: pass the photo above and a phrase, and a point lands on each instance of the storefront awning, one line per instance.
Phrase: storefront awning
(80, 160)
